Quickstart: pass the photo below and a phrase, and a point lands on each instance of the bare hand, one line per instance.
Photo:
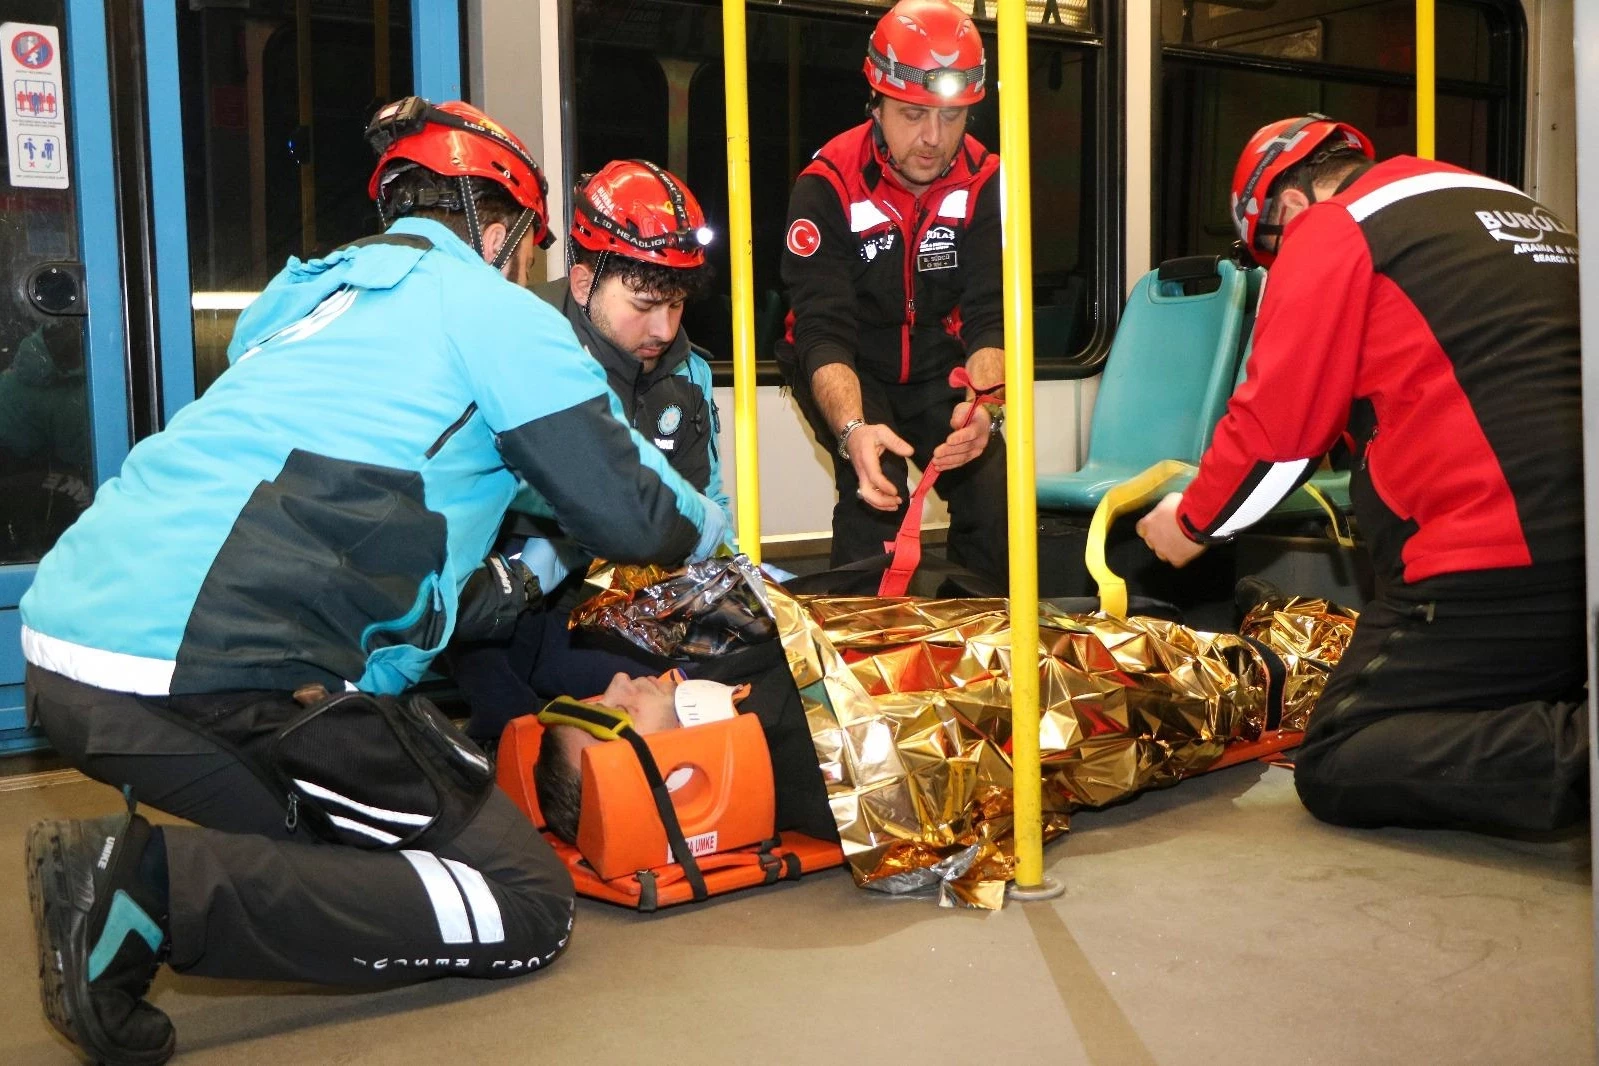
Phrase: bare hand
(1164, 534)
(866, 446)
(964, 444)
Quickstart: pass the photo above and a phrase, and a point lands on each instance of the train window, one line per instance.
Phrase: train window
(274, 160)
(46, 464)
(1229, 68)
(658, 67)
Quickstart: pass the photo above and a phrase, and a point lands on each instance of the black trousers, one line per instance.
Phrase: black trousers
(919, 413)
(251, 899)
(1455, 707)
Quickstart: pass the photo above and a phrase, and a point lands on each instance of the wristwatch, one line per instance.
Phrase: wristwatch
(843, 436)
(996, 418)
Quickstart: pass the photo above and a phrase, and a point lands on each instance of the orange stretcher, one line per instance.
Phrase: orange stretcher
(673, 817)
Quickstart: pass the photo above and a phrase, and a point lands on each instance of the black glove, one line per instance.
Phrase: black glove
(494, 596)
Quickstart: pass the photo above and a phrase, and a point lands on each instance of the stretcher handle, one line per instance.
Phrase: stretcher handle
(1137, 491)
(905, 550)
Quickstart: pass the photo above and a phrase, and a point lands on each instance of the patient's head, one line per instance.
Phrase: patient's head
(558, 775)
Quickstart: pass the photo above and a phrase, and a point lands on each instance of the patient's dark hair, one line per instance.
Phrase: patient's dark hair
(559, 787)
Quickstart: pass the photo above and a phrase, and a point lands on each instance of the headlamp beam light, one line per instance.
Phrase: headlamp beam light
(704, 235)
(946, 83)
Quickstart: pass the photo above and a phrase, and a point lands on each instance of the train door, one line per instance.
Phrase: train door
(161, 161)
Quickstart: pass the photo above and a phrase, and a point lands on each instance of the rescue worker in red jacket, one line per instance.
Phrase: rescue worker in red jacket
(1432, 313)
(892, 264)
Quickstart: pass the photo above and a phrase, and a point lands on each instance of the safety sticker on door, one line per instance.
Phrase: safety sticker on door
(36, 127)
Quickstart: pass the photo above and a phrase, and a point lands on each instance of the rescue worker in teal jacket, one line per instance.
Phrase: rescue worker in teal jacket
(299, 533)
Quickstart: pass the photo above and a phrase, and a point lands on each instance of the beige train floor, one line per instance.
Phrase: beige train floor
(1212, 923)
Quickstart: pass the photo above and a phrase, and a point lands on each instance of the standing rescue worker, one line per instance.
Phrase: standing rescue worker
(1433, 313)
(636, 255)
(227, 629)
(892, 264)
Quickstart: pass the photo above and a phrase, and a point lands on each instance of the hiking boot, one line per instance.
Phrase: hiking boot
(1251, 592)
(101, 932)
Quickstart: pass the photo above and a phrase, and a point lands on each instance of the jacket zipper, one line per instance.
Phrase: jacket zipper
(914, 240)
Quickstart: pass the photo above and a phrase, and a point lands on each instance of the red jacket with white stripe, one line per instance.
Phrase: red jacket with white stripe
(900, 288)
(1432, 314)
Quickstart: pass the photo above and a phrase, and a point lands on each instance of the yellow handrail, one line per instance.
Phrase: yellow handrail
(1426, 80)
(1021, 481)
(746, 462)
(1137, 491)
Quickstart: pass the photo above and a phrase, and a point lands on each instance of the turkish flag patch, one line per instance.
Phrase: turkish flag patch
(804, 238)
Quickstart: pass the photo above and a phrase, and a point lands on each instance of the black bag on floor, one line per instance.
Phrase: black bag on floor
(379, 772)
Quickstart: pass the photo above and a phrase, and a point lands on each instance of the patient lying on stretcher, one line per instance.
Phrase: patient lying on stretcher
(671, 701)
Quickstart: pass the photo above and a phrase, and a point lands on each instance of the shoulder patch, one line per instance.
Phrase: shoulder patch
(804, 238)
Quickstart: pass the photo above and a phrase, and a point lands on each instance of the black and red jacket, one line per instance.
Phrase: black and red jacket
(1432, 313)
(901, 288)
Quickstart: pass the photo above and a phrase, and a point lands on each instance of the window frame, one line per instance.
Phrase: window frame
(1505, 92)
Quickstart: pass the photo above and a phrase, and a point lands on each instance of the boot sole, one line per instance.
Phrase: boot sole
(59, 931)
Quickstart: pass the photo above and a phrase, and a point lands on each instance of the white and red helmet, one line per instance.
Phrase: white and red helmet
(926, 52)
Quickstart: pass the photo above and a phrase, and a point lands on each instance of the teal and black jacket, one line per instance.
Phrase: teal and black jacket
(313, 516)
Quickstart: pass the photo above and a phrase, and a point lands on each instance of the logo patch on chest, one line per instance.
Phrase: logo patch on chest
(873, 245)
(937, 250)
(671, 418)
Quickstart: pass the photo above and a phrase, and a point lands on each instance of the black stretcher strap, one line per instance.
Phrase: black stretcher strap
(1276, 681)
(621, 726)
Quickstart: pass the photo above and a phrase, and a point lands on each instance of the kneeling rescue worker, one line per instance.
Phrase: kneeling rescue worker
(229, 630)
(636, 254)
(1432, 313)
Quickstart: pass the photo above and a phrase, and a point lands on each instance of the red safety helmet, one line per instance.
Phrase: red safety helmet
(926, 52)
(1268, 155)
(456, 140)
(633, 208)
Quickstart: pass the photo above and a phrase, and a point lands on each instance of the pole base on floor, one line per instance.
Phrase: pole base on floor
(1048, 888)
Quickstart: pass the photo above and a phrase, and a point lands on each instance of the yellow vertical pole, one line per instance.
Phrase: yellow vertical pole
(1016, 211)
(1426, 80)
(734, 65)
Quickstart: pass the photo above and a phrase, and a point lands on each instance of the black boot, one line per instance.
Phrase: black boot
(101, 928)
(1252, 591)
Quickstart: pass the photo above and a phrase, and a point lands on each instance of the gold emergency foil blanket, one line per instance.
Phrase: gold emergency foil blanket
(908, 704)
(1310, 636)
(911, 721)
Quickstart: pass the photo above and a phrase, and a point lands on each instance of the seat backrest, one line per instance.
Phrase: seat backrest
(1257, 289)
(1172, 365)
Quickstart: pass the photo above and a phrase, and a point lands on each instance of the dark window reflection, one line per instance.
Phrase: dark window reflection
(273, 157)
(1210, 106)
(648, 80)
(46, 473)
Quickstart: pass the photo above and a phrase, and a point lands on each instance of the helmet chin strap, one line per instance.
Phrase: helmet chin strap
(600, 262)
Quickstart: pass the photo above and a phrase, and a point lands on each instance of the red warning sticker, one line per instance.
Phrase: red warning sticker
(804, 238)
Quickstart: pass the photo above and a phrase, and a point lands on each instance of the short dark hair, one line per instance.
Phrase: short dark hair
(417, 189)
(687, 283)
(1332, 163)
(559, 786)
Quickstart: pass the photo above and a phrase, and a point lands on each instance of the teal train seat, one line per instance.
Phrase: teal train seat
(1171, 368)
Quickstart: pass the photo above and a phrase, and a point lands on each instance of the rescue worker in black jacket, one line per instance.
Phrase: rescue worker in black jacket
(892, 265)
(636, 256)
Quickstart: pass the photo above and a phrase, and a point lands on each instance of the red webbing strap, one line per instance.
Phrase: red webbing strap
(906, 547)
